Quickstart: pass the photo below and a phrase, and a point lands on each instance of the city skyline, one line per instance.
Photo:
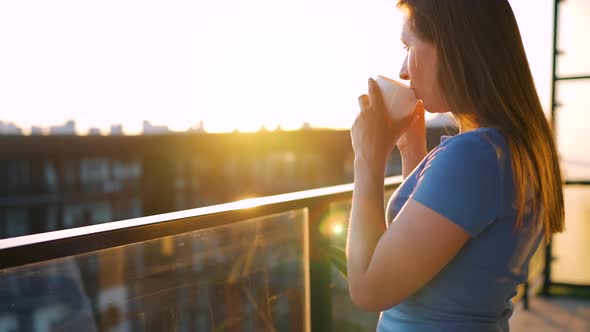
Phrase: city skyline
(70, 128)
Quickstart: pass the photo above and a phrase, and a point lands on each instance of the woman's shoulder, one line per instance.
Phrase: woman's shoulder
(480, 142)
(487, 135)
(483, 151)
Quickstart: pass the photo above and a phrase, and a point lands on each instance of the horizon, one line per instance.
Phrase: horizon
(9, 128)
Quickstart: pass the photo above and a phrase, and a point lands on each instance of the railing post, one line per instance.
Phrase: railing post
(525, 296)
(547, 271)
(320, 272)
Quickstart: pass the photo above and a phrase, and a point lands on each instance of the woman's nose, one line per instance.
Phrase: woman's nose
(403, 73)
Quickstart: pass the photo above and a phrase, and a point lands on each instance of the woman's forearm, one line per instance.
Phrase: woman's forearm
(367, 222)
(411, 159)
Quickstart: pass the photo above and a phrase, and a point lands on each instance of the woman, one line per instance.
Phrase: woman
(463, 225)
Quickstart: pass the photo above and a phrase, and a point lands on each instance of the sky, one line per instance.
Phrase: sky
(232, 64)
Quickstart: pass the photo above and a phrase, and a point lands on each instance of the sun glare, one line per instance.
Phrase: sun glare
(337, 229)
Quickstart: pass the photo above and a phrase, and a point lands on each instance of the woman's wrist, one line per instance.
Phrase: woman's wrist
(412, 152)
(366, 168)
(410, 159)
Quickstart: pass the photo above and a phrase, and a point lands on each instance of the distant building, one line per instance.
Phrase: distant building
(9, 128)
(199, 128)
(68, 129)
(36, 131)
(94, 131)
(152, 176)
(149, 129)
(306, 126)
(116, 130)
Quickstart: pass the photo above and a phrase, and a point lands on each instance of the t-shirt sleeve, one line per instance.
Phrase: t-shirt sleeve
(461, 181)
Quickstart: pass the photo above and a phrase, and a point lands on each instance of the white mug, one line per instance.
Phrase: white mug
(398, 98)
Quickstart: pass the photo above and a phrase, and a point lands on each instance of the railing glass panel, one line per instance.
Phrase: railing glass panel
(247, 276)
(571, 249)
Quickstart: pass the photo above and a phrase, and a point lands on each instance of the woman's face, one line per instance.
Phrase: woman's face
(421, 68)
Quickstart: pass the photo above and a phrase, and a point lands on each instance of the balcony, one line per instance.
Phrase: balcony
(274, 263)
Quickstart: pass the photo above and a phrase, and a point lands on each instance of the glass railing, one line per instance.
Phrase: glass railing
(272, 264)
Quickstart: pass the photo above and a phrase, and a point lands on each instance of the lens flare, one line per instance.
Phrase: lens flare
(337, 229)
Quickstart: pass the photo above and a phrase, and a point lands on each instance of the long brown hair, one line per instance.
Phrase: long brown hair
(486, 80)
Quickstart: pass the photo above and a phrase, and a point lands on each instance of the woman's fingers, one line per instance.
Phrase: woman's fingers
(364, 102)
(419, 108)
(375, 97)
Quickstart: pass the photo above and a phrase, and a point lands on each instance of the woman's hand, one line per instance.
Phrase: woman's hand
(413, 141)
(374, 134)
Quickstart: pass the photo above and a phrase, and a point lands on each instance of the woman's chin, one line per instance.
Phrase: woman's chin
(433, 109)
(430, 109)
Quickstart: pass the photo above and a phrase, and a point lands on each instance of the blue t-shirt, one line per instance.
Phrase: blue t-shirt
(468, 179)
